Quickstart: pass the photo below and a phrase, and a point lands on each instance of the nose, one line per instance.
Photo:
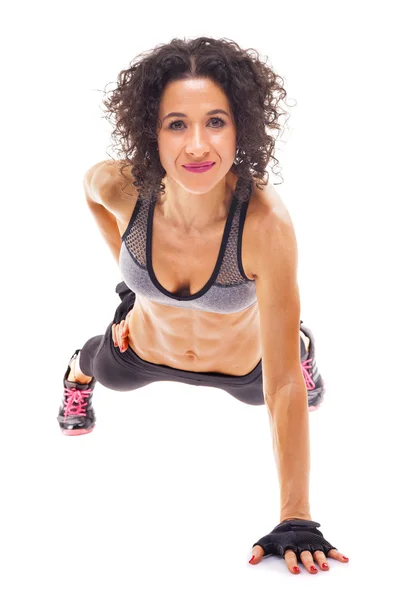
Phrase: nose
(197, 142)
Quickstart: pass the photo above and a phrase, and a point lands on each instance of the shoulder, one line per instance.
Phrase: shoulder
(267, 204)
(272, 232)
(109, 182)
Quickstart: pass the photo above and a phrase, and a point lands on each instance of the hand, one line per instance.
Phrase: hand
(298, 539)
(120, 333)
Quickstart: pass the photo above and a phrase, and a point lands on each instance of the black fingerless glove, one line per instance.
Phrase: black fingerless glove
(128, 300)
(297, 535)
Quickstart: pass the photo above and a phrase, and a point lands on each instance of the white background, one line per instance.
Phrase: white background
(176, 483)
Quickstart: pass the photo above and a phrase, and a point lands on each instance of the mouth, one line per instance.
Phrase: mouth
(203, 164)
(199, 167)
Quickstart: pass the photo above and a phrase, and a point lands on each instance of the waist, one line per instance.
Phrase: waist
(195, 340)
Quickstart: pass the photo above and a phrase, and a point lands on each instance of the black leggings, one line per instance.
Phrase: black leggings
(126, 371)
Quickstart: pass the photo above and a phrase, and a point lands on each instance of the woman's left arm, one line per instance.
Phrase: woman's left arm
(285, 392)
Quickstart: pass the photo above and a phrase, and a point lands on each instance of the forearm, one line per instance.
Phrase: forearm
(108, 227)
(288, 413)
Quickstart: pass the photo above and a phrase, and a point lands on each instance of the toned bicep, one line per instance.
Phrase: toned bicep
(279, 304)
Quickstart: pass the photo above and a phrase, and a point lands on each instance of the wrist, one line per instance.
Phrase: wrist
(305, 517)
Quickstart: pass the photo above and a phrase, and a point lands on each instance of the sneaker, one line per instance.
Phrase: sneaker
(76, 415)
(314, 382)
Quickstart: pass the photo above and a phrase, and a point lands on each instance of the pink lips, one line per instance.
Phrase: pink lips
(200, 168)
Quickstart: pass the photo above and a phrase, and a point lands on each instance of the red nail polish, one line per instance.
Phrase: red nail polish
(325, 566)
(251, 559)
(345, 558)
(296, 569)
(313, 568)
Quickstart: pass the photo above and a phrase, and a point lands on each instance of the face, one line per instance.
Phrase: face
(195, 136)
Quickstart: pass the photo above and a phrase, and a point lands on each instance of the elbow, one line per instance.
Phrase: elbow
(286, 397)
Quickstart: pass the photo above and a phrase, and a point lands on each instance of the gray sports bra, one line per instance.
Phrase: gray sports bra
(227, 291)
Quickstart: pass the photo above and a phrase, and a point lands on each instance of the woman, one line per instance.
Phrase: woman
(208, 255)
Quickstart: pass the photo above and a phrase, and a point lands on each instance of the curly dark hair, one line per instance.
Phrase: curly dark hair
(252, 88)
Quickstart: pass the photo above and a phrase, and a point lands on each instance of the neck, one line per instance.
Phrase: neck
(193, 213)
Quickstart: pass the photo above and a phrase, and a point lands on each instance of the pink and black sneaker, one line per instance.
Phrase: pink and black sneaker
(314, 382)
(76, 415)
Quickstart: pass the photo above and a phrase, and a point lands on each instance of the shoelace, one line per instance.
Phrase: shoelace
(310, 385)
(74, 402)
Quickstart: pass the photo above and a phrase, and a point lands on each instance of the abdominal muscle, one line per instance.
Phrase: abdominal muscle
(194, 340)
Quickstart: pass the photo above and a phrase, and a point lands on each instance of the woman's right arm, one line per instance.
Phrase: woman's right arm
(98, 185)
(100, 188)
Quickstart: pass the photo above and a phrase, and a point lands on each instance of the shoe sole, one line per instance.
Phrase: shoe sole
(76, 431)
(312, 408)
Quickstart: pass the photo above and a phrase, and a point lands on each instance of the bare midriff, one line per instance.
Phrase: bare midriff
(183, 338)
(195, 340)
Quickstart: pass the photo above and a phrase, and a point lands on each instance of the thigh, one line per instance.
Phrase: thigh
(250, 392)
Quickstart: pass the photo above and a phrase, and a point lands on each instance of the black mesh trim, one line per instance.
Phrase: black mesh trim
(133, 217)
(228, 270)
(216, 268)
(243, 213)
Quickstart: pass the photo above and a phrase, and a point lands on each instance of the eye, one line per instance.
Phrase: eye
(221, 121)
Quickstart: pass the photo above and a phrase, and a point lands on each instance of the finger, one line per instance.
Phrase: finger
(117, 336)
(291, 562)
(258, 553)
(114, 337)
(125, 330)
(121, 338)
(321, 560)
(118, 331)
(308, 561)
(338, 556)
